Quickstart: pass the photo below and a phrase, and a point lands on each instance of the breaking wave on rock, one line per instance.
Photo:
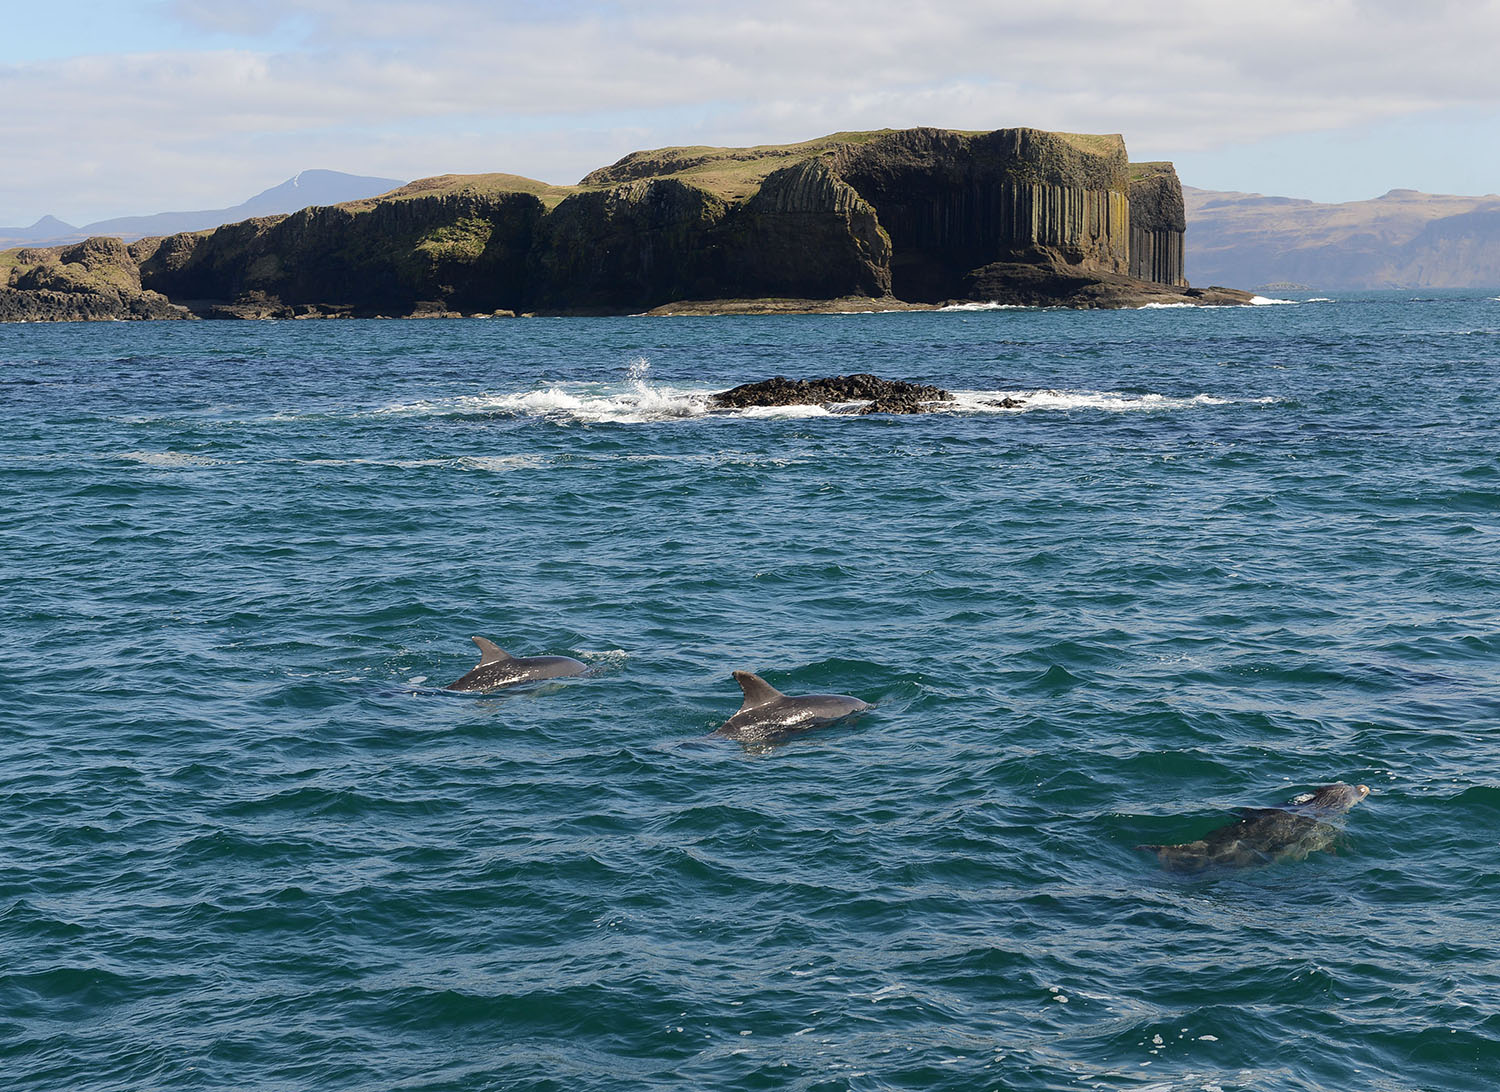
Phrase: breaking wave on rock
(639, 403)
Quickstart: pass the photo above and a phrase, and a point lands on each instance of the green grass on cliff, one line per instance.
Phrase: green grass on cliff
(463, 240)
(1146, 170)
(733, 174)
(484, 185)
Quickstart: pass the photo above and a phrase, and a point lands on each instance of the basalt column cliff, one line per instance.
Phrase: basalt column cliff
(914, 217)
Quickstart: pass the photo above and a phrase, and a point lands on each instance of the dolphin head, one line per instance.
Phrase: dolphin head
(1337, 797)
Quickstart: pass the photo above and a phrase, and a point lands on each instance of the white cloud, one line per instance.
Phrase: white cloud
(552, 90)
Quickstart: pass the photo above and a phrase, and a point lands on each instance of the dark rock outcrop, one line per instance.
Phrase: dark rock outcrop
(952, 202)
(88, 281)
(1158, 224)
(453, 253)
(629, 247)
(1041, 280)
(878, 395)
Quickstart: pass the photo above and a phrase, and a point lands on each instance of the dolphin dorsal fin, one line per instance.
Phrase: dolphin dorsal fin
(490, 652)
(758, 692)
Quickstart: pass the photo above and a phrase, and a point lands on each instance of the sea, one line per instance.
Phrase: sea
(1147, 569)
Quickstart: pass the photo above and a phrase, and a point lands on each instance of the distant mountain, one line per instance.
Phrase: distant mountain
(1403, 239)
(298, 192)
(48, 227)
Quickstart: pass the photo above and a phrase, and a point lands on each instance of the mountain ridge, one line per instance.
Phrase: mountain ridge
(1402, 239)
(303, 190)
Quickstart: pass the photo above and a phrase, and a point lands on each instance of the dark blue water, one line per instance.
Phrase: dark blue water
(1216, 558)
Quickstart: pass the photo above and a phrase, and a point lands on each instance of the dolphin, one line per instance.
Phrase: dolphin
(1262, 835)
(499, 668)
(769, 715)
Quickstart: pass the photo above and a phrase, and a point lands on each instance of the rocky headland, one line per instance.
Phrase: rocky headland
(887, 220)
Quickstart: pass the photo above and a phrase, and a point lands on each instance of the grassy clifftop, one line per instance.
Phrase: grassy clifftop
(730, 174)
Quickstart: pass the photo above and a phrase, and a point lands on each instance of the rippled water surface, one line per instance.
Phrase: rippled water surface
(1213, 559)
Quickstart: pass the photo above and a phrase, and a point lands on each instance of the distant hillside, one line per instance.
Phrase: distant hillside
(1404, 239)
(299, 192)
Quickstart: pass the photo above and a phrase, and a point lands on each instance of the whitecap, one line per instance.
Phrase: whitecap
(170, 459)
(589, 403)
(607, 656)
(640, 402)
(501, 463)
(1004, 401)
(1263, 301)
(990, 306)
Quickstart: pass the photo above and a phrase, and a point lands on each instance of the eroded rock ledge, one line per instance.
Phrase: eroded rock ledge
(876, 395)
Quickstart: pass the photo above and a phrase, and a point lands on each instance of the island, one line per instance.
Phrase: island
(886, 220)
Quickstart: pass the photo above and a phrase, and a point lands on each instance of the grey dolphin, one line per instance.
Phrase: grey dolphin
(1263, 835)
(768, 715)
(499, 668)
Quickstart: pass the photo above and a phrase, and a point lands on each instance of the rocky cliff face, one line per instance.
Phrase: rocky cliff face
(920, 215)
(952, 202)
(446, 252)
(1157, 224)
(88, 281)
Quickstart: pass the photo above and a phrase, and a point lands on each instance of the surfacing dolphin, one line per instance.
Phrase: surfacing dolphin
(499, 668)
(1263, 835)
(769, 715)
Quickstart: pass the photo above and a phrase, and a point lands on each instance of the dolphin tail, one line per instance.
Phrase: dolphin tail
(758, 692)
(490, 653)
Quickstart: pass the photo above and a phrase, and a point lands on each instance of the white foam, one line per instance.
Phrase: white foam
(1264, 301)
(589, 403)
(637, 401)
(991, 306)
(1319, 299)
(171, 459)
(1164, 306)
(502, 463)
(611, 656)
(1110, 401)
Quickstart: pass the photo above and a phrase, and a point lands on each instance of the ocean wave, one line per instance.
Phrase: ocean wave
(639, 401)
(990, 306)
(1265, 301)
(174, 460)
(593, 404)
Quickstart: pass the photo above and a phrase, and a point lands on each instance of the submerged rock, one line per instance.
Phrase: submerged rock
(879, 395)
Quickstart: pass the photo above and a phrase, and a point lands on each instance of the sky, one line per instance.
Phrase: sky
(124, 107)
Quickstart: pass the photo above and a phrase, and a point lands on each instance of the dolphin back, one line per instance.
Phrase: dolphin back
(491, 653)
(758, 692)
(498, 668)
(1263, 835)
